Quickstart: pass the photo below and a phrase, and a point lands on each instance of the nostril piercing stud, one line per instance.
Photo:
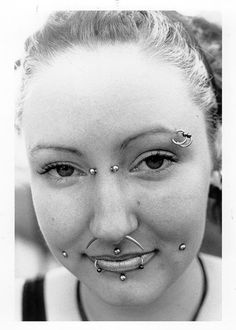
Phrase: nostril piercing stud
(114, 168)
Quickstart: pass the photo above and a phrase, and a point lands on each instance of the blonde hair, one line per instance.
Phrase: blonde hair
(158, 33)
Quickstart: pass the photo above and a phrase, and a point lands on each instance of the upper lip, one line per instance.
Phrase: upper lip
(120, 257)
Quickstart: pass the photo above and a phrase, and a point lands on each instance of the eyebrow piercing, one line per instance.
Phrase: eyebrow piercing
(114, 168)
(93, 171)
(186, 141)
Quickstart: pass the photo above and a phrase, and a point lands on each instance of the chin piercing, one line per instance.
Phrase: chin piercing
(114, 168)
(65, 254)
(116, 251)
(182, 247)
(93, 171)
(186, 141)
(122, 277)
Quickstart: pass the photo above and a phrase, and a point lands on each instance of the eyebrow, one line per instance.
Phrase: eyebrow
(155, 130)
(40, 147)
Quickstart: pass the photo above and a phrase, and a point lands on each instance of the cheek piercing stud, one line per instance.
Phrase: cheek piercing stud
(117, 251)
(122, 277)
(65, 254)
(186, 141)
(182, 247)
(114, 168)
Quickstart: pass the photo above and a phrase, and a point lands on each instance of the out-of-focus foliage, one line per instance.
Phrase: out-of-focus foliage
(209, 36)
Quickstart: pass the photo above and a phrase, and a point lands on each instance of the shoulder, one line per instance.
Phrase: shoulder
(60, 296)
(211, 310)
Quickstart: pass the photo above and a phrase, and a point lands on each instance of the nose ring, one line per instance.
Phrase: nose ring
(186, 141)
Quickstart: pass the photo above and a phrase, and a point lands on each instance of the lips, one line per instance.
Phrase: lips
(122, 263)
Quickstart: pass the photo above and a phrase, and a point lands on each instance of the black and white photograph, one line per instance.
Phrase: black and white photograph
(118, 118)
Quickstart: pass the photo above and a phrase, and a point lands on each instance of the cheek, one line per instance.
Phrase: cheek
(61, 216)
(176, 214)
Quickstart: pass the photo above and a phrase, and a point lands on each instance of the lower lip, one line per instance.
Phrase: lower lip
(125, 265)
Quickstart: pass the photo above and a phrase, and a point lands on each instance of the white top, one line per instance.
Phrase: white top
(61, 297)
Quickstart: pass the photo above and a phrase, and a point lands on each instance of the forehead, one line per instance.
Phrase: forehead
(114, 89)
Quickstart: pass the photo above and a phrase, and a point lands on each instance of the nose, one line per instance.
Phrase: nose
(113, 218)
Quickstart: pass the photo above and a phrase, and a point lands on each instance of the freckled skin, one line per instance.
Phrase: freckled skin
(92, 100)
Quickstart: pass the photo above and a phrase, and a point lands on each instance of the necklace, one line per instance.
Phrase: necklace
(195, 314)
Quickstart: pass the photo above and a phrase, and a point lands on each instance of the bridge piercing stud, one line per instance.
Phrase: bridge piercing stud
(114, 168)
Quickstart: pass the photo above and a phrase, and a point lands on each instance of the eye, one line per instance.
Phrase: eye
(153, 161)
(61, 170)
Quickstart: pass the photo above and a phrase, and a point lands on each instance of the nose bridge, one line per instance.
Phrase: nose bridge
(112, 217)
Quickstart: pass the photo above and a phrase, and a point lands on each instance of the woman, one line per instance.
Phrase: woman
(119, 115)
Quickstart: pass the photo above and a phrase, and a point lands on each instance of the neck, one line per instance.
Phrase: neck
(177, 303)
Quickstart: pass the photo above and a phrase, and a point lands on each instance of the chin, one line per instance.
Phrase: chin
(131, 293)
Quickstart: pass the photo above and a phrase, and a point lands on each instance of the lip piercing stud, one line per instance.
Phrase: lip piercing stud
(122, 277)
(114, 168)
(117, 251)
(93, 171)
(141, 266)
(185, 143)
(182, 247)
(97, 267)
(65, 254)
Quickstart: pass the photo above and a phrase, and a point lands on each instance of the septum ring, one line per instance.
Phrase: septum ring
(185, 143)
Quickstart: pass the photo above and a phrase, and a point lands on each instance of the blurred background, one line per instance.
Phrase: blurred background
(32, 256)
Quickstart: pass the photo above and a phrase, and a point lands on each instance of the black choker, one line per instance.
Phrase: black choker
(195, 315)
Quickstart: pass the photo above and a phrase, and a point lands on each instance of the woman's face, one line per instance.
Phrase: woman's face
(98, 108)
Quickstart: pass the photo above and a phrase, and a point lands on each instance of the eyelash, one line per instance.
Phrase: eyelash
(57, 166)
(163, 156)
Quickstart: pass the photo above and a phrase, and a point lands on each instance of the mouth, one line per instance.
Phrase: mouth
(122, 263)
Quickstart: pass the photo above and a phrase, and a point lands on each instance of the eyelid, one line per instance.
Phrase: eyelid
(51, 166)
(149, 153)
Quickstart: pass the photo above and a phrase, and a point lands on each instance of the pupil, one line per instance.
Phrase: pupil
(154, 162)
(65, 170)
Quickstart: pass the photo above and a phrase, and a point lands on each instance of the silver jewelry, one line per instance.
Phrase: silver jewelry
(65, 254)
(182, 247)
(117, 251)
(141, 266)
(122, 277)
(97, 267)
(186, 141)
(114, 168)
(93, 171)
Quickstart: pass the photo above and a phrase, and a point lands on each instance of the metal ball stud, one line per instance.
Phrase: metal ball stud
(93, 171)
(65, 254)
(99, 270)
(114, 168)
(122, 277)
(182, 247)
(117, 251)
